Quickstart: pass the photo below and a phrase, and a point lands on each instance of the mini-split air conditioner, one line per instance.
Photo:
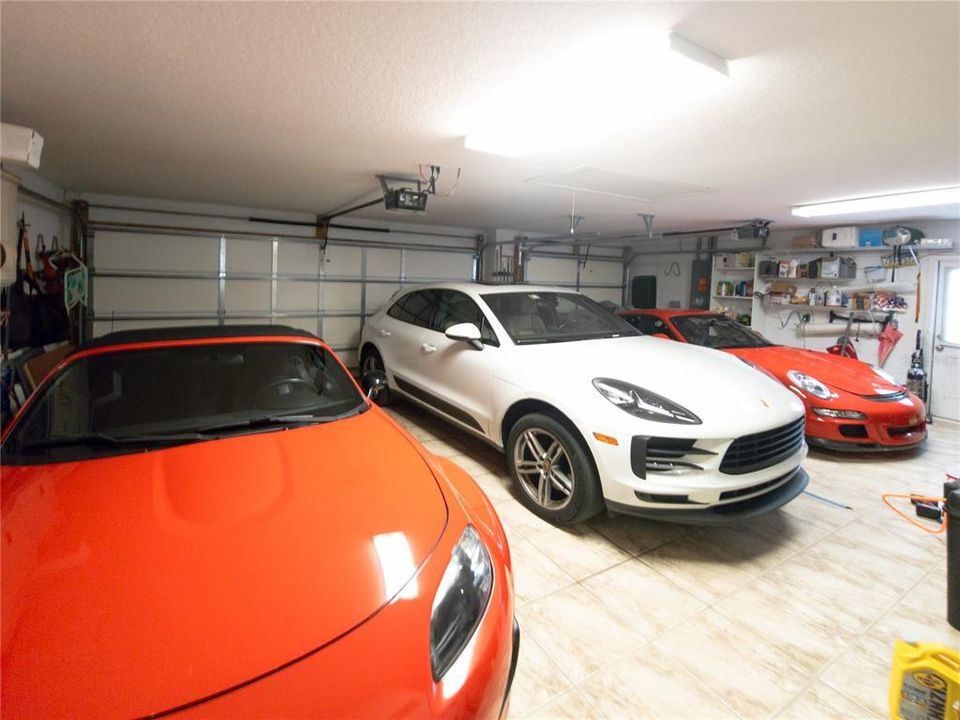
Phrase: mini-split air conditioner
(20, 145)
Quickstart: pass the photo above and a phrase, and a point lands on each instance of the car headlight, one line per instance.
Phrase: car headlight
(460, 601)
(642, 403)
(809, 384)
(842, 414)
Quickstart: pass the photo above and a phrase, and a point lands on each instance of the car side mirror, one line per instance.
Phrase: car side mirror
(373, 381)
(465, 332)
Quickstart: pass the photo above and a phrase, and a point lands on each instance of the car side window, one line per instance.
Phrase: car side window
(416, 308)
(647, 324)
(456, 307)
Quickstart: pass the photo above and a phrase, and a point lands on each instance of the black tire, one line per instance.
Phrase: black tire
(567, 462)
(371, 360)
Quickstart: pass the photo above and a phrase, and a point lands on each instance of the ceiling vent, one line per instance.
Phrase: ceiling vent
(594, 179)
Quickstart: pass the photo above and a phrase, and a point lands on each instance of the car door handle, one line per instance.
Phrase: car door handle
(384, 333)
(427, 347)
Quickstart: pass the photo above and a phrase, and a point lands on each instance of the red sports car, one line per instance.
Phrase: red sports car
(850, 405)
(217, 522)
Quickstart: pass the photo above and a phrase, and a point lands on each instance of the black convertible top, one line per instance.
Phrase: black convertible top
(196, 332)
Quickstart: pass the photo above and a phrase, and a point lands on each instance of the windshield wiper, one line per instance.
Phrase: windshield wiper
(113, 440)
(281, 420)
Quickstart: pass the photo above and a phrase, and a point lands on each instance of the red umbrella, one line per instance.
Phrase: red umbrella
(888, 337)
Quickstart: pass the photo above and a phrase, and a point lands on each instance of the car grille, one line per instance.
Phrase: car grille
(761, 450)
(664, 455)
(889, 397)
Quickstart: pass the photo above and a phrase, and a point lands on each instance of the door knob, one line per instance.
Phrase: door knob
(384, 333)
(427, 347)
(939, 348)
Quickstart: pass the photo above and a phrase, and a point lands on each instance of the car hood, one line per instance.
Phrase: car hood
(842, 373)
(714, 386)
(137, 583)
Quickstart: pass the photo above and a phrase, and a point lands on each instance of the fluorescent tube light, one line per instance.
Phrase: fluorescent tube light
(898, 201)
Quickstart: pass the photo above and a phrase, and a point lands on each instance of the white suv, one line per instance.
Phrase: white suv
(589, 412)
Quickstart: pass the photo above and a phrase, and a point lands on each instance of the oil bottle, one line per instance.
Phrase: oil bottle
(924, 682)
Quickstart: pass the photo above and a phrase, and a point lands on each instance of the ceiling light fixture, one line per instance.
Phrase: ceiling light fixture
(628, 73)
(694, 52)
(896, 201)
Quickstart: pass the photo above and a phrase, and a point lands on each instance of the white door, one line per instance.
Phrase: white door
(458, 373)
(945, 365)
(400, 336)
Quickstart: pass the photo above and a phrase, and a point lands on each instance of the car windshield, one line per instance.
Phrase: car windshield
(716, 331)
(136, 400)
(544, 317)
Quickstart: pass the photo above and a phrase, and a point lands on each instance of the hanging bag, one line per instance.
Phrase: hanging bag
(34, 318)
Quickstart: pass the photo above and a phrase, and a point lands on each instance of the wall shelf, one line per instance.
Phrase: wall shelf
(732, 297)
(774, 278)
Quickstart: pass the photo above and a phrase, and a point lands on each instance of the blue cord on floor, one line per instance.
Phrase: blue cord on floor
(828, 501)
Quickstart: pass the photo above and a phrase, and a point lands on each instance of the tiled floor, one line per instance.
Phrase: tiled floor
(793, 615)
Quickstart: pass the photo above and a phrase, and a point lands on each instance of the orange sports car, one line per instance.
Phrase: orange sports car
(217, 522)
(850, 405)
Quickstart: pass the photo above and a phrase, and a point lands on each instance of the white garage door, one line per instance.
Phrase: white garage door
(148, 279)
(599, 277)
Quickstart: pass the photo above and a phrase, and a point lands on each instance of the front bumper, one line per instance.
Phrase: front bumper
(853, 446)
(791, 486)
(701, 477)
(897, 425)
(514, 657)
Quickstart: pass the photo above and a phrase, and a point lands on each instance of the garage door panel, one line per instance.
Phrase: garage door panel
(129, 251)
(124, 295)
(298, 258)
(545, 271)
(602, 271)
(383, 263)
(103, 327)
(613, 295)
(296, 295)
(308, 324)
(426, 265)
(247, 296)
(248, 256)
(342, 331)
(342, 296)
(378, 294)
(341, 260)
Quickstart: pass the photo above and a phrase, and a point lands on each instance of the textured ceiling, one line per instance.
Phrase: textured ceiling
(297, 106)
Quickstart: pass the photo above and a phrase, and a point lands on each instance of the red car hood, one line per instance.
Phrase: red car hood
(839, 372)
(137, 583)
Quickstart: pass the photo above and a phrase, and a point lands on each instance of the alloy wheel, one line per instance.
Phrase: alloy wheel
(544, 468)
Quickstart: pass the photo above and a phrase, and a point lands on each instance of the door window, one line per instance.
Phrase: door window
(950, 325)
(456, 307)
(417, 308)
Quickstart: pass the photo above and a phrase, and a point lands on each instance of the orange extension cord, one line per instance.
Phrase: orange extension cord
(942, 527)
